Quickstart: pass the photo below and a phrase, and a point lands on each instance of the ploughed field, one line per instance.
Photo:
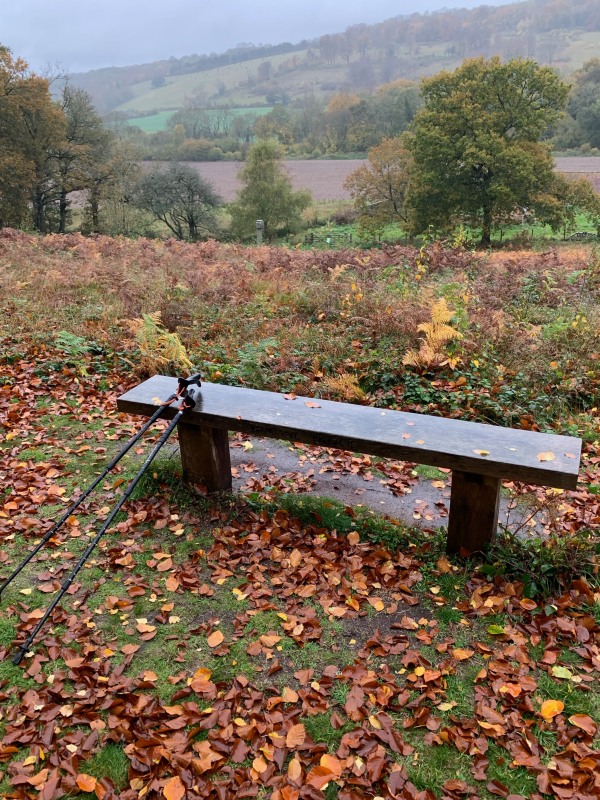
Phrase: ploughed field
(325, 178)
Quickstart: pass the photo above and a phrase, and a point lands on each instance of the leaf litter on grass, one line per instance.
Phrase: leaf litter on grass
(351, 637)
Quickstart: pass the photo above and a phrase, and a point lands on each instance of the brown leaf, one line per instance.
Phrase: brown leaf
(584, 722)
(310, 404)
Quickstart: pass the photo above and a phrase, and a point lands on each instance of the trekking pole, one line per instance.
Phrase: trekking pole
(69, 580)
(183, 384)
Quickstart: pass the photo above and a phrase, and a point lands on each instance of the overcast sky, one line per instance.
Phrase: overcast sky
(80, 35)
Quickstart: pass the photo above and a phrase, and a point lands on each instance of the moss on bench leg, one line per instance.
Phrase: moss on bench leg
(474, 505)
(205, 456)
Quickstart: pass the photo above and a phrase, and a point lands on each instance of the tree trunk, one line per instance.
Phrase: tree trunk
(63, 206)
(39, 219)
(486, 226)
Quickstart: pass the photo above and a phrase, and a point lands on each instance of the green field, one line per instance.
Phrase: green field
(153, 123)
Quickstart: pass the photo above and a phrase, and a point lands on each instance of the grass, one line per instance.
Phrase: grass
(111, 762)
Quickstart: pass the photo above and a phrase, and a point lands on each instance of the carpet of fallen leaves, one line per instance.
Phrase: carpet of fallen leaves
(249, 736)
(161, 648)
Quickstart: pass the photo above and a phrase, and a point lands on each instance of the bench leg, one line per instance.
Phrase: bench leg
(205, 456)
(474, 504)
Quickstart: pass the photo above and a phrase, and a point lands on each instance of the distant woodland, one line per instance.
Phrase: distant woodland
(371, 91)
(345, 92)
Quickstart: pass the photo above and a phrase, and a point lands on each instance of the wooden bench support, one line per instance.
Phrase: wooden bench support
(474, 504)
(205, 456)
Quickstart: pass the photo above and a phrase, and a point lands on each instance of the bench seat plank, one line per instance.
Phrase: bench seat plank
(512, 453)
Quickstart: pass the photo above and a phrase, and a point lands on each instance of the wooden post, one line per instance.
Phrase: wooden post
(205, 456)
(474, 504)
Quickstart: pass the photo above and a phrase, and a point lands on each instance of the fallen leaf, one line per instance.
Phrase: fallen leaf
(296, 736)
(294, 770)
(87, 783)
(550, 708)
(215, 638)
(174, 789)
(548, 456)
(584, 722)
(310, 404)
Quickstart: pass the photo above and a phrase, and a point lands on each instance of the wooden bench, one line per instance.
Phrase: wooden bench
(478, 455)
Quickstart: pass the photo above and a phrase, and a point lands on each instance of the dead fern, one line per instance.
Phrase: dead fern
(344, 386)
(437, 334)
(161, 352)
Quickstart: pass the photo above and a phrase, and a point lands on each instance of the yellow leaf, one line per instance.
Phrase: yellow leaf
(550, 708)
(174, 789)
(549, 456)
(482, 452)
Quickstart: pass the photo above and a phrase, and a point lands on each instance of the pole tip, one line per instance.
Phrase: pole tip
(16, 660)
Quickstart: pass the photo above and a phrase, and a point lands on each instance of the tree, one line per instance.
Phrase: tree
(31, 126)
(266, 193)
(379, 187)
(475, 144)
(82, 156)
(180, 198)
(584, 102)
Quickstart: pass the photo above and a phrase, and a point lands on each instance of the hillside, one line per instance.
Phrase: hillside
(560, 33)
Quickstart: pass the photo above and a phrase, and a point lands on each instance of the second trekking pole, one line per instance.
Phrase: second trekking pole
(70, 578)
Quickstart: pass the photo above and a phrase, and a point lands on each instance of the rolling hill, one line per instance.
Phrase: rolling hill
(562, 33)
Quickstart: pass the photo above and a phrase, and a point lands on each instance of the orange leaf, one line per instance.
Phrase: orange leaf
(461, 655)
(332, 763)
(259, 764)
(514, 689)
(289, 695)
(310, 404)
(269, 640)
(443, 565)
(215, 639)
(174, 789)
(87, 783)
(295, 736)
(319, 777)
(550, 708)
(294, 770)
(376, 602)
(548, 456)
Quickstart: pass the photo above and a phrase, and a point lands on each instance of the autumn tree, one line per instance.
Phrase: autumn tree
(379, 187)
(84, 152)
(476, 144)
(266, 193)
(180, 198)
(31, 126)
